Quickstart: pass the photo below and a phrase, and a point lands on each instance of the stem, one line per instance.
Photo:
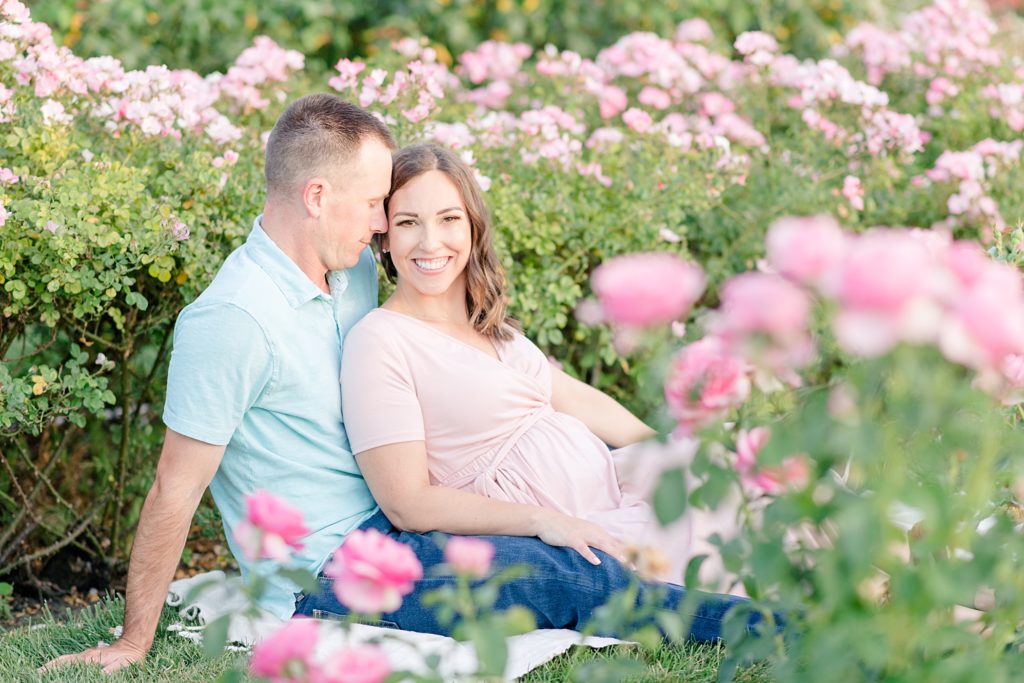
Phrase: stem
(122, 456)
(157, 364)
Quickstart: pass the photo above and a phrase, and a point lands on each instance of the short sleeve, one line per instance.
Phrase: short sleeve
(221, 362)
(378, 397)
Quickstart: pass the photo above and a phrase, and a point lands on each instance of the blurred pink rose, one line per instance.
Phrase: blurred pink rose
(762, 303)
(854, 192)
(612, 101)
(358, 664)
(747, 446)
(991, 315)
(654, 97)
(372, 572)
(704, 383)
(637, 119)
(286, 655)
(715, 104)
(806, 249)
(793, 473)
(471, 556)
(765, 319)
(884, 269)
(270, 528)
(645, 289)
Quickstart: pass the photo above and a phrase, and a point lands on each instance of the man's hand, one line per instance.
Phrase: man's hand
(112, 658)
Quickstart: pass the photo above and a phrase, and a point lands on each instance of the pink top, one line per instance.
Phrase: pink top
(487, 423)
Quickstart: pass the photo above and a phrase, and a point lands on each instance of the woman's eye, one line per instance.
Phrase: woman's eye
(404, 223)
(449, 219)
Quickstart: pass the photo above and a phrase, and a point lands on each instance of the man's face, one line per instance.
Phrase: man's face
(353, 206)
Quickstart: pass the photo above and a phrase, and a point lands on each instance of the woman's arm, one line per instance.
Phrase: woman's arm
(397, 477)
(602, 414)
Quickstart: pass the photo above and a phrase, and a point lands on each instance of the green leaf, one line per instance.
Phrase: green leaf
(301, 578)
(231, 676)
(670, 496)
(215, 636)
(491, 648)
(5, 589)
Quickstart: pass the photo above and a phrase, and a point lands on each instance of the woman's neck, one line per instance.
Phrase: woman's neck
(449, 307)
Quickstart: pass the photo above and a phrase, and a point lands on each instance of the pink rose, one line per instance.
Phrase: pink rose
(644, 289)
(854, 192)
(470, 556)
(270, 528)
(883, 271)
(764, 318)
(654, 97)
(762, 303)
(806, 249)
(359, 664)
(747, 446)
(704, 383)
(715, 104)
(794, 473)
(612, 100)
(286, 655)
(372, 572)
(637, 119)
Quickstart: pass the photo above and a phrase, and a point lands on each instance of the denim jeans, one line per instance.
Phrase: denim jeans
(562, 590)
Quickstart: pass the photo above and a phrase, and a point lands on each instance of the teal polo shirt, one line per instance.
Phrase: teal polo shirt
(255, 366)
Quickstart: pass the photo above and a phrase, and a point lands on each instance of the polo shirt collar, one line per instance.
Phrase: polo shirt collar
(296, 286)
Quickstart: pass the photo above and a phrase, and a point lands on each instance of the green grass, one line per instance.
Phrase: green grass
(173, 658)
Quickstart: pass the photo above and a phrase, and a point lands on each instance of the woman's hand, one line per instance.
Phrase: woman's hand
(555, 528)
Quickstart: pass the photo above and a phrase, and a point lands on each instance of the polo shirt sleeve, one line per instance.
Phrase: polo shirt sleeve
(221, 363)
(378, 398)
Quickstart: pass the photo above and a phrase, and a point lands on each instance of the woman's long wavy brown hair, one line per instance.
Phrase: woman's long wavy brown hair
(486, 285)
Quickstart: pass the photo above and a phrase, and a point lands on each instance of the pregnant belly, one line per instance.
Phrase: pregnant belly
(557, 463)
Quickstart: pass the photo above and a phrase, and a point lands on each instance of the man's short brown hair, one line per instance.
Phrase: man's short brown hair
(317, 132)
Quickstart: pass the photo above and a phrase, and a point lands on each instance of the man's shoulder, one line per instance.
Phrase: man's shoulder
(240, 284)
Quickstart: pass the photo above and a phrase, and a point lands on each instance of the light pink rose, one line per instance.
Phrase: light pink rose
(694, 31)
(761, 303)
(991, 313)
(715, 104)
(794, 473)
(747, 446)
(359, 664)
(372, 572)
(270, 528)
(612, 100)
(645, 289)
(637, 119)
(654, 97)
(470, 556)
(286, 655)
(7, 176)
(806, 249)
(854, 192)
(883, 271)
(704, 383)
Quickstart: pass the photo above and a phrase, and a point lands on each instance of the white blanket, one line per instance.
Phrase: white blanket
(406, 650)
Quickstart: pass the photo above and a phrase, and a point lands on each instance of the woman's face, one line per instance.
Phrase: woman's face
(429, 234)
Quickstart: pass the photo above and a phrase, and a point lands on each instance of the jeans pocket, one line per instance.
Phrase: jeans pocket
(326, 614)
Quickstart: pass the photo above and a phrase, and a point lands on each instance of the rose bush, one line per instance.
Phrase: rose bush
(122, 191)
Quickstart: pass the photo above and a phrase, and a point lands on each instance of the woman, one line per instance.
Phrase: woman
(459, 422)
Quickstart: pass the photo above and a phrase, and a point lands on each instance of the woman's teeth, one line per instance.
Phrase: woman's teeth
(431, 264)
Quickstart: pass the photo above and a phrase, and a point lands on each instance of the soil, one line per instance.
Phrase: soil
(70, 581)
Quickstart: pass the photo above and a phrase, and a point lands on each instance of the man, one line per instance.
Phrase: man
(253, 400)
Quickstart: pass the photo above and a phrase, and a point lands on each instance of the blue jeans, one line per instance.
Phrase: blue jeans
(562, 590)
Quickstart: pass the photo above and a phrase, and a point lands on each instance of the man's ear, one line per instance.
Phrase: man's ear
(314, 195)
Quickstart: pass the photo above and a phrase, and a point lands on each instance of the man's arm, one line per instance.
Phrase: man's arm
(185, 470)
